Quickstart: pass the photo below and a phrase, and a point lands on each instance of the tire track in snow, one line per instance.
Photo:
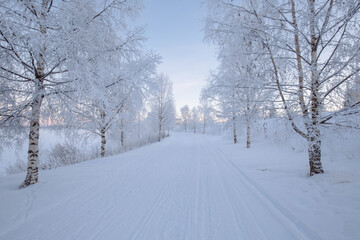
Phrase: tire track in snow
(98, 194)
(27, 219)
(177, 213)
(118, 193)
(243, 213)
(23, 215)
(204, 208)
(29, 203)
(172, 191)
(135, 193)
(145, 220)
(246, 220)
(202, 212)
(293, 224)
(91, 191)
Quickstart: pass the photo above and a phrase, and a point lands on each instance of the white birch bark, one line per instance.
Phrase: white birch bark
(32, 175)
(314, 140)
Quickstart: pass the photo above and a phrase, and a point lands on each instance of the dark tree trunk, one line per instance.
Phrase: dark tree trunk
(248, 136)
(103, 142)
(122, 138)
(235, 135)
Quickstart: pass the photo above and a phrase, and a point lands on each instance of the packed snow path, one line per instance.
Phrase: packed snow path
(183, 188)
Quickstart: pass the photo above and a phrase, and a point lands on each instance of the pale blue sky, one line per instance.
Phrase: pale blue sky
(175, 31)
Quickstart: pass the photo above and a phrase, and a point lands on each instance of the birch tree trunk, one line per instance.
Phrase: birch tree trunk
(159, 137)
(247, 124)
(247, 133)
(122, 137)
(234, 118)
(234, 130)
(160, 116)
(32, 175)
(103, 132)
(103, 141)
(299, 65)
(314, 141)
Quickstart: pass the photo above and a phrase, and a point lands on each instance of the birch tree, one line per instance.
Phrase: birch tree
(185, 112)
(312, 48)
(194, 118)
(122, 94)
(162, 105)
(222, 90)
(48, 49)
(205, 110)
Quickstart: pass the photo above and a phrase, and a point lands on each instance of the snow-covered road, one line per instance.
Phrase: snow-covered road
(186, 187)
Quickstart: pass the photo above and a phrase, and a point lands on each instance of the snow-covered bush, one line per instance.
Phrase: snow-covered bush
(17, 167)
(62, 155)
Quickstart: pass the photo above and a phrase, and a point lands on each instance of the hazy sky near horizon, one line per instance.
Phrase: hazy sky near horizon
(175, 31)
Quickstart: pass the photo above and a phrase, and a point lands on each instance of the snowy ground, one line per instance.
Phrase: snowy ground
(187, 187)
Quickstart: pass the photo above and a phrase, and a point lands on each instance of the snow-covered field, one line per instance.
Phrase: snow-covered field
(187, 187)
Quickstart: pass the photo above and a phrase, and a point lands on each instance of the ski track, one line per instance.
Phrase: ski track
(284, 216)
(244, 207)
(183, 188)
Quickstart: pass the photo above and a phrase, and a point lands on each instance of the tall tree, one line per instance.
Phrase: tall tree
(205, 110)
(162, 105)
(185, 111)
(194, 118)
